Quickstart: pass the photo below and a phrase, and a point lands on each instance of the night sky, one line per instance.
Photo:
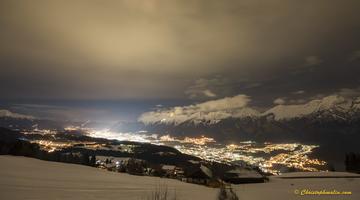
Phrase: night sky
(116, 59)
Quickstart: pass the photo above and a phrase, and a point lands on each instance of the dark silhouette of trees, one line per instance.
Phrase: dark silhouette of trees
(85, 159)
(93, 160)
(352, 162)
(135, 166)
(227, 194)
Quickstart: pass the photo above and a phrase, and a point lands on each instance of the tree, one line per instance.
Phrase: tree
(227, 194)
(134, 166)
(85, 159)
(92, 160)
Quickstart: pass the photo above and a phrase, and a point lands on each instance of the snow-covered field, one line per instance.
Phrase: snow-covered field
(290, 186)
(27, 178)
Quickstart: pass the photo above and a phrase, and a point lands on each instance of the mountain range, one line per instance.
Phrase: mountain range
(327, 117)
(231, 119)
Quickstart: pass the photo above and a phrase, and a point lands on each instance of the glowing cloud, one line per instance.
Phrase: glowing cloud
(209, 111)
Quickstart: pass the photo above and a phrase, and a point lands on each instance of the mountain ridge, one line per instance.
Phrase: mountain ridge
(332, 105)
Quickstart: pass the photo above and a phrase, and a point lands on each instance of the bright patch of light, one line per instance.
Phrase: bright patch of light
(134, 137)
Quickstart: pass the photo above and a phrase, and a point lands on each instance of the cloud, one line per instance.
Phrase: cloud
(297, 101)
(298, 92)
(238, 106)
(147, 49)
(7, 113)
(209, 93)
(283, 112)
(354, 56)
(313, 61)
(252, 85)
(205, 88)
(226, 103)
(307, 65)
(62, 112)
(279, 101)
(349, 92)
(218, 86)
(209, 111)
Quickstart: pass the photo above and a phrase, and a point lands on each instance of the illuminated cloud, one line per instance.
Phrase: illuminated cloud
(279, 101)
(284, 112)
(313, 61)
(298, 92)
(207, 112)
(355, 56)
(155, 49)
(209, 93)
(349, 92)
(204, 88)
(212, 112)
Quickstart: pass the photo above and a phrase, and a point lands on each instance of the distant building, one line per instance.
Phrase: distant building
(199, 175)
(179, 172)
(242, 175)
(169, 170)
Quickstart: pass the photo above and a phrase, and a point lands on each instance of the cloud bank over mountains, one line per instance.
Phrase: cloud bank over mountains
(212, 112)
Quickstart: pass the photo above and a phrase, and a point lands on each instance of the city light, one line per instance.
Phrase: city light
(269, 157)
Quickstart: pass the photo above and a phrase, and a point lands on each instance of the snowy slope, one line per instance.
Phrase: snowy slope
(292, 188)
(52, 180)
(28, 178)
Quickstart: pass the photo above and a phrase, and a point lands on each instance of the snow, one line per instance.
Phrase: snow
(245, 173)
(213, 112)
(285, 112)
(28, 178)
(280, 188)
(210, 112)
(318, 174)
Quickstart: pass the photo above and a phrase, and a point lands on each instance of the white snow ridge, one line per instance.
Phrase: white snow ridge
(212, 112)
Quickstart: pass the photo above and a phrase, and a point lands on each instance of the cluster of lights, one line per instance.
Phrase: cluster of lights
(51, 146)
(296, 155)
(293, 155)
(143, 137)
(40, 131)
(199, 141)
(134, 137)
(189, 140)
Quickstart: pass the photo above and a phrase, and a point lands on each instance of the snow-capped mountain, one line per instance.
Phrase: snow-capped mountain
(210, 112)
(334, 106)
(330, 115)
(331, 106)
(16, 121)
(9, 114)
